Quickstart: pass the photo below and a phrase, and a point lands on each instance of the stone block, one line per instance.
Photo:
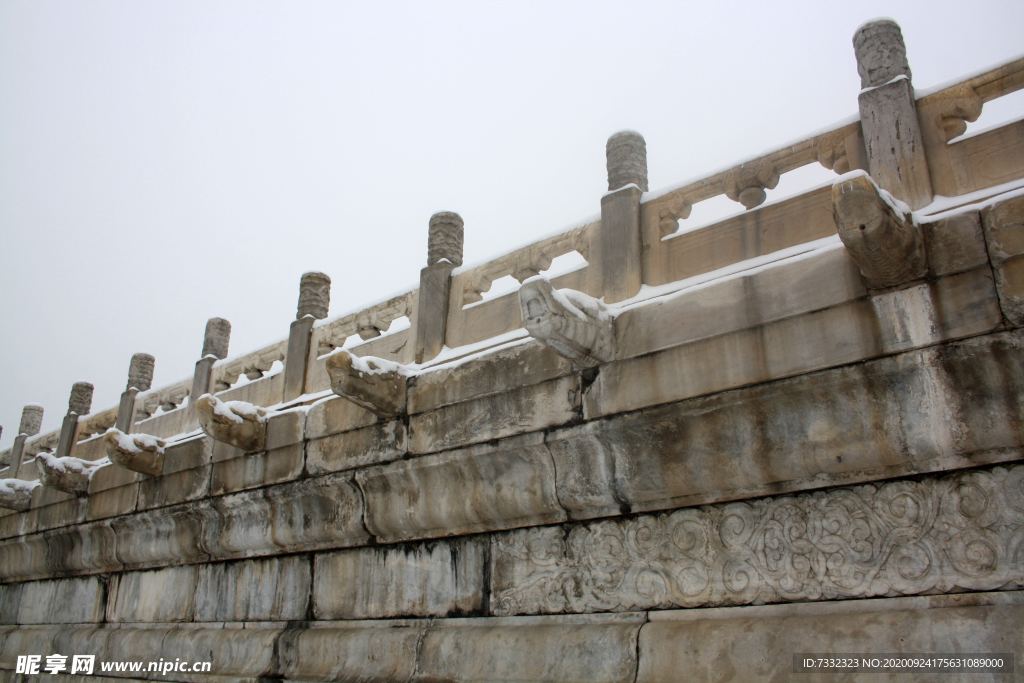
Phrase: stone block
(373, 445)
(432, 310)
(296, 517)
(245, 653)
(294, 382)
(761, 646)
(285, 429)
(16, 524)
(803, 285)
(257, 469)
(957, 306)
(383, 653)
(336, 415)
(954, 244)
(590, 649)
(65, 513)
(1004, 233)
(85, 548)
(621, 249)
(442, 578)
(154, 596)
(221, 451)
(526, 409)
(160, 537)
(10, 603)
(717, 555)
(65, 601)
(175, 487)
(482, 488)
(276, 589)
(511, 367)
(111, 478)
(187, 455)
(112, 502)
(925, 410)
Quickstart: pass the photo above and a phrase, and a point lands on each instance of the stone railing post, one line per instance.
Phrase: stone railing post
(140, 378)
(444, 254)
(314, 301)
(215, 347)
(78, 405)
(31, 421)
(888, 114)
(621, 247)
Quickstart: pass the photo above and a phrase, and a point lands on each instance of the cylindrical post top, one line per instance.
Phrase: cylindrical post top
(881, 53)
(140, 372)
(31, 419)
(445, 239)
(626, 154)
(216, 338)
(81, 398)
(314, 295)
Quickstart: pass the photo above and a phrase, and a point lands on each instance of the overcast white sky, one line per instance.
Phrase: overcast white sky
(162, 163)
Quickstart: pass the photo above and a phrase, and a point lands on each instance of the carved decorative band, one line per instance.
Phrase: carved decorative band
(943, 534)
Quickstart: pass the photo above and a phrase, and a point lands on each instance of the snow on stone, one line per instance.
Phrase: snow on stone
(71, 464)
(13, 486)
(383, 366)
(130, 442)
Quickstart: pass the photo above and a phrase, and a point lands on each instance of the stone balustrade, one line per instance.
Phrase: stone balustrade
(819, 449)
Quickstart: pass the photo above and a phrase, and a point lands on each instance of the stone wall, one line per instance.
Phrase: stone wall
(821, 452)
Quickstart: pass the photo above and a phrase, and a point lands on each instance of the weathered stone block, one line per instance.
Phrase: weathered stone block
(85, 548)
(334, 416)
(65, 601)
(845, 543)
(621, 249)
(924, 410)
(761, 646)
(15, 524)
(476, 489)
(373, 445)
(954, 244)
(221, 451)
(175, 487)
(255, 590)
(10, 603)
(373, 383)
(434, 579)
(111, 478)
(112, 502)
(161, 537)
(154, 596)
(383, 653)
(64, 513)
(301, 516)
(258, 469)
(494, 417)
(285, 429)
(1004, 233)
(187, 455)
(591, 649)
(509, 368)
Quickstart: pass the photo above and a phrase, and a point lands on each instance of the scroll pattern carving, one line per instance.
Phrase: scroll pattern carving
(747, 183)
(831, 148)
(942, 534)
(252, 365)
(526, 262)
(96, 424)
(368, 323)
(167, 398)
(47, 443)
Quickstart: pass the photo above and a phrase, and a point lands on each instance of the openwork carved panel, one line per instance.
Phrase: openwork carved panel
(942, 534)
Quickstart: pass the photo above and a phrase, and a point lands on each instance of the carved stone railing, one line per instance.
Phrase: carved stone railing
(96, 423)
(163, 398)
(368, 323)
(253, 365)
(524, 263)
(996, 156)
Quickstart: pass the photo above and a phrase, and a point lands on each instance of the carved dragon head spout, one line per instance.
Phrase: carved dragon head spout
(236, 423)
(570, 323)
(136, 452)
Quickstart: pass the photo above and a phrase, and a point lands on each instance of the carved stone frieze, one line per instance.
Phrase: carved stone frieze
(16, 494)
(165, 398)
(236, 423)
(963, 106)
(831, 149)
(373, 383)
(136, 452)
(960, 532)
(368, 323)
(572, 324)
(252, 365)
(747, 183)
(888, 249)
(96, 424)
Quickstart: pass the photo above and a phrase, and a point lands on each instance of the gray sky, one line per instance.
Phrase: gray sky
(162, 163)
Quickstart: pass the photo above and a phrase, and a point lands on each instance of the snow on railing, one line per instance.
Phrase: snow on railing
(253, 365)
(367, 323)
(165, 398)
